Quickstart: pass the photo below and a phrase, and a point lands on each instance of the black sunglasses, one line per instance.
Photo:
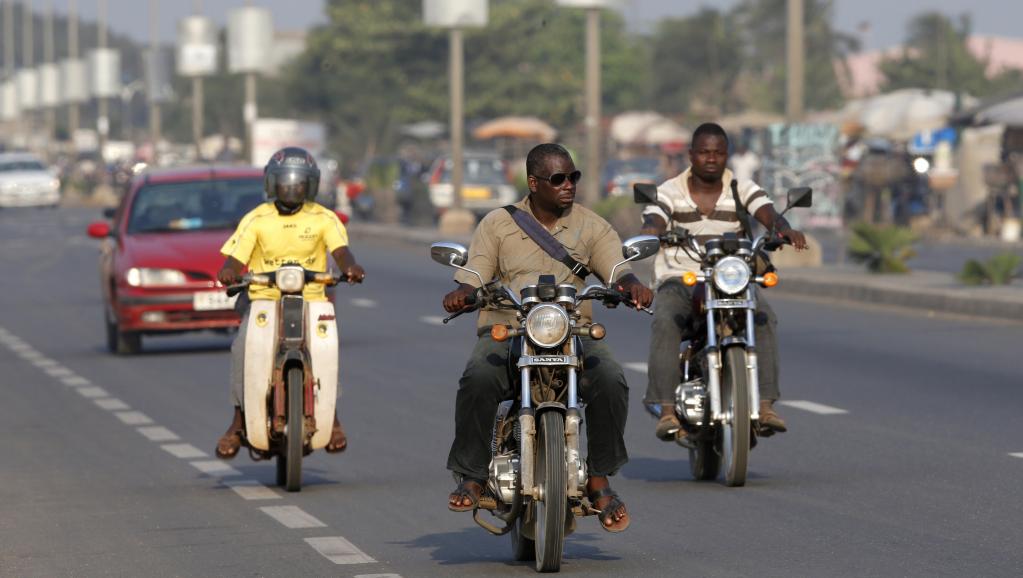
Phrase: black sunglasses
(558, 179)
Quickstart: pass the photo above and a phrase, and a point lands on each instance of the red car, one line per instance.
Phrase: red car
(160, 256)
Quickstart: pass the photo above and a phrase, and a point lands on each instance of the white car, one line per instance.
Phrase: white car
(485, 184)
(26, 182)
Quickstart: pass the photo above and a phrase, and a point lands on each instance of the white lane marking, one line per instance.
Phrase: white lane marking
(639, 366)
(92, 392)
(59, 371)
(111, 404)
(18, 346)
(813, 407)
(1017, 455)
(75, 380)
(215, 468)
(432, 319)
(252, 490)
(360, 302)
(30, 355)
(157, 433)
(45, 362)
(378, 576)
(133, 417)
(184, 451)
(341, 551)
(292, 517)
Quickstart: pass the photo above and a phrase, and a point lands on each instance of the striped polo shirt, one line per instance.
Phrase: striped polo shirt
(674, 195)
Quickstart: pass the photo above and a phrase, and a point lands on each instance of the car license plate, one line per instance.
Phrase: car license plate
(212, 301)
(475, 193)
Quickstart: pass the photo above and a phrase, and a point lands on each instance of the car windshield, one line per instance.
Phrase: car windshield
(478, 171)
(192, 206)
(26, 165)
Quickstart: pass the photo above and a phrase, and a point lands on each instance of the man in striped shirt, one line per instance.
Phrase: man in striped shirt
(700, 201)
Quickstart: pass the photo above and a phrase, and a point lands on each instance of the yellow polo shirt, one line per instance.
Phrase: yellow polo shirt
(265, 240)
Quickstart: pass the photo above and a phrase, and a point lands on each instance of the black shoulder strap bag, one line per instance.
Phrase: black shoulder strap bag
(740, 209)
(539, 234)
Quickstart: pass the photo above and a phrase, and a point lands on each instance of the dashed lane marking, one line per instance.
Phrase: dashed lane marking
(638, 366)
(293, 517)
(134, 418)
(340, 551)
(366, 303)
(215, 468)
(252, 490)
(156, 433)
(75, 381)
(59, 371)
(813, 407)
(111, 404)
(183, 451)
(378, 576)
(432, 319)
(92, 392)
(45, 362)
(1017, 455)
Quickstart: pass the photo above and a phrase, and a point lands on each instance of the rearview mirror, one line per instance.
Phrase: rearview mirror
(640, 247)
(644, 193)
(800, 197)
(99, 230)
(450, 254)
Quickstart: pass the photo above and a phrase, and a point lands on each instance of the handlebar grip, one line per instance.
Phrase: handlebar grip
(233, 290)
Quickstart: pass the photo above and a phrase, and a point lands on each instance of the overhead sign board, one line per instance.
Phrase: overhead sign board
(455, 13)
(197, 47)
(250, 33)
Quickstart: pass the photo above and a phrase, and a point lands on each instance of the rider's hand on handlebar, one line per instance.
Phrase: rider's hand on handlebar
(459, 299)
(354, 274)
(638, 293)
(795, 237)
(228, 276)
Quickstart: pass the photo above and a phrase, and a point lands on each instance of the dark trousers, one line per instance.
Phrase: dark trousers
(674, 306)
(486, 383)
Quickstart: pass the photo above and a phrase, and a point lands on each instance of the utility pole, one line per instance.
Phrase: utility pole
(198, 99)
(250, 112)
(50, 59)
(8, 39)
(27, 61)
(72, 43)
(796, 55)
(457, 93)
(591, 190)
(103, 117)
(154, 100)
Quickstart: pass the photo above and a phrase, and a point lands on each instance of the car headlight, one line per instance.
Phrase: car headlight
(290, 279)
(147, 277)
(731, 275)
(547, 325)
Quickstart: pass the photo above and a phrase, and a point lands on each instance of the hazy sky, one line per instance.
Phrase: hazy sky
(887, 18)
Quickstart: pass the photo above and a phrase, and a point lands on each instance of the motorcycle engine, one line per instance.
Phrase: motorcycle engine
(504, 477)
(690, 401)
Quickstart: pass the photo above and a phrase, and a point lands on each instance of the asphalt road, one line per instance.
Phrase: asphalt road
(899, 460)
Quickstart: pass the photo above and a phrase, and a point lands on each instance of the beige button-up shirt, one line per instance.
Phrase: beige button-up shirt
(501, 249)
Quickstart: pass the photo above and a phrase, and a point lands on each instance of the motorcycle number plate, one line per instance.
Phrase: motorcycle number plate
(212, 301)
(530, 360)
(730, 304)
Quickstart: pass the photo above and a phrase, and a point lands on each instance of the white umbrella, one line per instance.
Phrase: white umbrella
(903, 113)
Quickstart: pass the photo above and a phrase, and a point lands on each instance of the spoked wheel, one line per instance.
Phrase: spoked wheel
(289, 464)
(735, 438)
(553, 503)
(523, 548)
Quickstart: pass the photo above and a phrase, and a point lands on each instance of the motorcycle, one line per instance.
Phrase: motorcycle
(537, 479)
(291, 368)
(718, 400)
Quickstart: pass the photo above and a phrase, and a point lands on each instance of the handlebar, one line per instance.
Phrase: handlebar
(269, 279)
(473, 301)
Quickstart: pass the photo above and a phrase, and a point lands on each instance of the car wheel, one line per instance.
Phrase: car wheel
(122, 342)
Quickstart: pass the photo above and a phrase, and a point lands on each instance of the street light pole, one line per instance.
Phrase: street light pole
(154, 103)
(103, 118)
(457, 85)
(197, 98)
(795, 57)
(591, 191)
(73, 120)
(49, 57)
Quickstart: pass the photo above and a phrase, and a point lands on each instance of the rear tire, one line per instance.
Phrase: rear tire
(551, 511)
(122, 342)
(735, 438)
(294, 436)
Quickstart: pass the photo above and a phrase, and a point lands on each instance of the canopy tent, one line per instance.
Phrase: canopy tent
(524, 127)
(646, 128)
(1006, 111)
(903, 113)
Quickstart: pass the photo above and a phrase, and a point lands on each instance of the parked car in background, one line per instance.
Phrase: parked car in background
(485, 183)
(26, 182)
(160, 255)
(621, 174)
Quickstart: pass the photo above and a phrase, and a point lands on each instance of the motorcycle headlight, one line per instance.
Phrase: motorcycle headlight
(547, 325)
(147, 277)
(731, 275)
(290, 279)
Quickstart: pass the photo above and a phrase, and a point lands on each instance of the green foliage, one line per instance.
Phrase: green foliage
(998, 270)
(883, 249)
(936, 56)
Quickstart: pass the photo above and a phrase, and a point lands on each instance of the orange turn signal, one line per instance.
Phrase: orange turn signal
(499, 332)
(770, 279)
(689, 278)
(597, 331)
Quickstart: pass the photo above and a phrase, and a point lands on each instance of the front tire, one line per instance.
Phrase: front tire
(735, 438)
(523, 549)
(290, 472)
(704, 461)
(122, 342)
(553, 507)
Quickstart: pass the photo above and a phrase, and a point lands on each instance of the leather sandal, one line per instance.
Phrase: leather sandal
(609, 509)
(338, 440)
(229, 444)
(467, 488)
(668, 428)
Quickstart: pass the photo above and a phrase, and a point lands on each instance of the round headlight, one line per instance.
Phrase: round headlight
(731, 275)
(290, 279)
(547, 325)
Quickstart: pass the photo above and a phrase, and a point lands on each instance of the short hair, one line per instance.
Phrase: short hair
(540, 153)
(708, 129)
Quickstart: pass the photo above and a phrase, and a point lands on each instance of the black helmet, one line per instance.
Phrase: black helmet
(291, 166)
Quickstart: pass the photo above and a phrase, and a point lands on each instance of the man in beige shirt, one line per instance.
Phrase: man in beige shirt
(501, 249)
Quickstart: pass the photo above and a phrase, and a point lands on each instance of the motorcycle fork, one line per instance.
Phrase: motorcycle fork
(752, 373)
(527, 429)
(572, 420)
(713, 360)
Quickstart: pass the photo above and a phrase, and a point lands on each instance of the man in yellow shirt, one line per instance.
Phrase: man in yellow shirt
(290, 229)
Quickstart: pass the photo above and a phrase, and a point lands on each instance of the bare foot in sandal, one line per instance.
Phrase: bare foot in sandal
(613, 515)
(466, 495)
(229, 443)
(338, 440)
